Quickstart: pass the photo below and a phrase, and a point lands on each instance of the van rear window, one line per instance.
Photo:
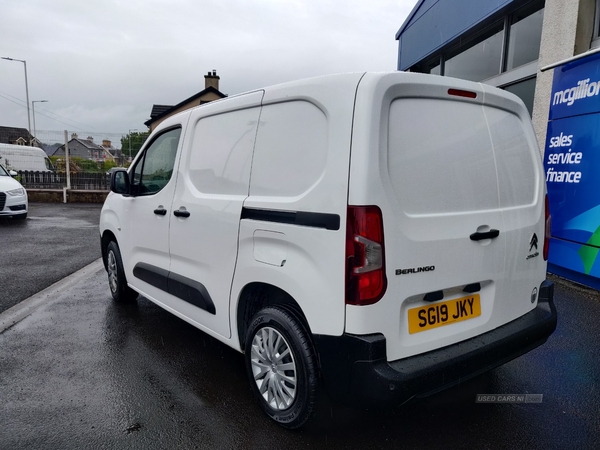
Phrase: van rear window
(443, 157)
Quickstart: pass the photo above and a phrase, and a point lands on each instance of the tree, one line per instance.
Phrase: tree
(137, 140)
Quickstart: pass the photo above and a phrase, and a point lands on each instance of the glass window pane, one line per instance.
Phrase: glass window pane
(435, 70)
(159, 161)
(525, 37)
(478, 62)
(596, 34)
(137, 171)
(525, 90)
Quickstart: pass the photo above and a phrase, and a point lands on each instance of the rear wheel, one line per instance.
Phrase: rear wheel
(282, 368)
(116, 275)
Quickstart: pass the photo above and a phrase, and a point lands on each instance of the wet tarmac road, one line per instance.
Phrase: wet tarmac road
(79, 371)
(54, 241)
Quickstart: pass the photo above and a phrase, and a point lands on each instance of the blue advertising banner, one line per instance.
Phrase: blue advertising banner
(572, 163)
(576, 88)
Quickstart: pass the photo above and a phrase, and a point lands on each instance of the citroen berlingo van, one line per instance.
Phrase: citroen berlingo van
(380, 236)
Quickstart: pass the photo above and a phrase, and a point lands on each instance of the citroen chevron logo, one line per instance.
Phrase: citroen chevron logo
(533, 242)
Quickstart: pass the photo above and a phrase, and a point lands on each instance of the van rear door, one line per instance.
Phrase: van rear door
(457, 176)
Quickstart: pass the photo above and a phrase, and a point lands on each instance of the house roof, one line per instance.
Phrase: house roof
(87, 143)
(170, 109)
(10, 134)
(157, 110)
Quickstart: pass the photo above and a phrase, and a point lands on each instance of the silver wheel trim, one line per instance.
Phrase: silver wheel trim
(274, 368)
(112, 271)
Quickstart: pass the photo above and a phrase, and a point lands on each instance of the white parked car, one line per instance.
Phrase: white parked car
(381, 236)
(13, 196)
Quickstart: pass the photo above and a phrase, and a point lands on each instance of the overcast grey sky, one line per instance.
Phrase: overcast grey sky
(102, 64)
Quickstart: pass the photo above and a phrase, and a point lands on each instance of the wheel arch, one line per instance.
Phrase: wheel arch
(106, 239)
(257, 296)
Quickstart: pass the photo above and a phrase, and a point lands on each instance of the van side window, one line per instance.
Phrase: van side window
(154, 170)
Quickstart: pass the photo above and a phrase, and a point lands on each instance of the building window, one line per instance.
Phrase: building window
(479, 61)
(525, 35)
(596, 35)
(512, 42)
(525, 90)
(504, 54)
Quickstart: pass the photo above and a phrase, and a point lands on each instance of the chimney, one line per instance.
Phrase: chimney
(90, 138)
(106, 143)
(212, 80)
(74, 136)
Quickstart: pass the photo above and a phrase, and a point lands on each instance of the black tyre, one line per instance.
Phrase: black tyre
(116, 275)
(20, 216)
(281, 366)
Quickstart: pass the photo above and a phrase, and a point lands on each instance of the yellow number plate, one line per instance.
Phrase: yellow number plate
(443, 313)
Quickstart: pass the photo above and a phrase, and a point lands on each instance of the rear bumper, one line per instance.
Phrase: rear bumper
(355, 369)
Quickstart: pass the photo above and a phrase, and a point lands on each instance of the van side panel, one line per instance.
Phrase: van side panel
(292, 232)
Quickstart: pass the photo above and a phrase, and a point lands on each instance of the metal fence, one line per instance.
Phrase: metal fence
(58, 180)
(88, 161)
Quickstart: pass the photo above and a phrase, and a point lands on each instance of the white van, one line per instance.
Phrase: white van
(378, 235)
(22, 157)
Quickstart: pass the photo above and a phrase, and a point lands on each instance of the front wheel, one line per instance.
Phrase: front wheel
(116, 275)
(282, 368)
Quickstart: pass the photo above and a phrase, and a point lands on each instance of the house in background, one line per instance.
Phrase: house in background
(210, 93)
(88, 149)
(17, 136)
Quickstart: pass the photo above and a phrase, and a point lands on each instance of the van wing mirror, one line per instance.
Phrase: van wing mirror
(119, 182)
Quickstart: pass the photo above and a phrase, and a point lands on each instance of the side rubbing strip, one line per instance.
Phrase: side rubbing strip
(153, 275)
(181, 287)
(307, 219)
(191, 291)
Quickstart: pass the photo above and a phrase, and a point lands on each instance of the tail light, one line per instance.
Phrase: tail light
(547, 229)
(365, 257)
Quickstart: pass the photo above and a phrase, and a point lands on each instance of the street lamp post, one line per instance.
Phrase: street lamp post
(26, 90)
(135, 129)
(33, 112)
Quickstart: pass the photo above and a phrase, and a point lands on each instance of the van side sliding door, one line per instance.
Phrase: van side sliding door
(212, 183)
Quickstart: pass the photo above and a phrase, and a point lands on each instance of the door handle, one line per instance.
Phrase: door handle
(479, 236)
(160, 211)
(181, 213)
